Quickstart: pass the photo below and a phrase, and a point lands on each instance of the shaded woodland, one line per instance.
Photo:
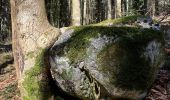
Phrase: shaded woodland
(111, 49)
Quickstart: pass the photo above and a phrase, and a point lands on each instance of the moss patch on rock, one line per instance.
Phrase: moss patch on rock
(128, 70)
(124, 60)
(77, 44)
(123, 20)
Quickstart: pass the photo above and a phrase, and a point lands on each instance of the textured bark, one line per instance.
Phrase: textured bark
(32, 36)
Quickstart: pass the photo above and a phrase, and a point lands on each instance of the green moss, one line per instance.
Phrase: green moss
(67, 74)
(30, 54)
(122, 59)
(59, 98)
(75, 47)
(32, 81)
(128, 70)
(109, 59)
(123, 20)
(132, 41)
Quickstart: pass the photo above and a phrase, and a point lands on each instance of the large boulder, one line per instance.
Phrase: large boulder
(93, 62)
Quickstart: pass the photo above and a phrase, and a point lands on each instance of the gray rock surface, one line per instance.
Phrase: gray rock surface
(147, 22)
(106, 62)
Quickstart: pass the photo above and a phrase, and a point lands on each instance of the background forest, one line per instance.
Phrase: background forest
(66, 13)
(91, 11)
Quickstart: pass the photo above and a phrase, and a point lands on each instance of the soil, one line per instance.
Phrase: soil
(8, 80)
(161, 88)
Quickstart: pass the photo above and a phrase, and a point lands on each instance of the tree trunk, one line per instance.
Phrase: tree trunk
(123, 7)
(145, 6)
(118, 9)
(153, 8)
(84, 12)
(109, 9)
(149, 7)
(76, 15)
(156, 7)
(32, 36)
(127, 7)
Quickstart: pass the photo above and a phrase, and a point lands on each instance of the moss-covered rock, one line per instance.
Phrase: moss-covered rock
(107, 62)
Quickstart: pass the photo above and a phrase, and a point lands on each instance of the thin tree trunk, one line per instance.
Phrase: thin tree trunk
(157, 7)
(145, 6)
(153, 8)
(32, 36)
(76, 15)
(127, 7)
(149, 7)
(118, 8)
(84, 12)
(109, 9)
(123, 7)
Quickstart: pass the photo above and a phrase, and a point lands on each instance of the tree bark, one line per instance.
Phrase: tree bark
(109, 9)
(145, 6)
(76, 15)
(123, 7)
(84, 12)
(156, 7)
(32, 36)
(118, 12)
(153, 8)
(149, 7)
(127, 6)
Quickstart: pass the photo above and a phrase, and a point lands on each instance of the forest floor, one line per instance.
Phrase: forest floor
(161, 87)
(8, 81)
